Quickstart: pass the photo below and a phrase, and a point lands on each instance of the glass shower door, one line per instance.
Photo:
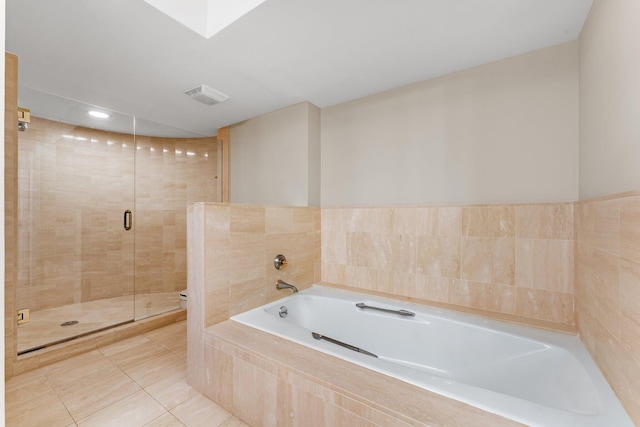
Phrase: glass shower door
(75, 254)
(173, 167)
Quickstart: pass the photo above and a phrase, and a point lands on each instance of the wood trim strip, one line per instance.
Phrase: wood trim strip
(223, 137)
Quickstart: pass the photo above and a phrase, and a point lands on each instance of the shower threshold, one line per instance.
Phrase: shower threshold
(45, 329)
(80, 335)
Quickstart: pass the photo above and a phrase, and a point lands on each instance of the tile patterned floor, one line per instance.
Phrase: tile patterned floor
(141, 381)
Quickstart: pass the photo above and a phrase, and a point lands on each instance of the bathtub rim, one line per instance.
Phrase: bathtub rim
(488, 314)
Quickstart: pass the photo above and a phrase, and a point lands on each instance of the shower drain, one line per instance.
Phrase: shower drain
(70, 323)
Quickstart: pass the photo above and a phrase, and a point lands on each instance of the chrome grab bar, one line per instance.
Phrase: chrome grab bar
(387, 310)
(342, 344)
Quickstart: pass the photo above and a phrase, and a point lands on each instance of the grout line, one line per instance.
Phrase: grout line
(55, 390)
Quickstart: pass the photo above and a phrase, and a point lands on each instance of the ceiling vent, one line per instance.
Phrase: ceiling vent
(206, 95)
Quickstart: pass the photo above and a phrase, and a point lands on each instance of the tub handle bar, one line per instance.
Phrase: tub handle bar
(386, 310)
(318, 336)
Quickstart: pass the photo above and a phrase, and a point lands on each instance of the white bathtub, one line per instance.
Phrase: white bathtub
(532, 376)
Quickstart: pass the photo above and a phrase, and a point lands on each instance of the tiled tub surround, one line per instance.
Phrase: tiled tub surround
(232, 247)
(537, 377)
(230, 254)
(514, 259)
(514, 262)
(269, 381)
(607, 289)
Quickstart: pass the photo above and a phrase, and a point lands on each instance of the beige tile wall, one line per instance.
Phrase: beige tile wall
(513, 260)
(170, 173)
(607, 269)
(74, 186)
(508, 259)
(231, 270)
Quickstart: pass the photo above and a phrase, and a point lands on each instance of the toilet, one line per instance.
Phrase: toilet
(183, 299)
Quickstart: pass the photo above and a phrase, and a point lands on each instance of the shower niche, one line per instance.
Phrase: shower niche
(102, 217)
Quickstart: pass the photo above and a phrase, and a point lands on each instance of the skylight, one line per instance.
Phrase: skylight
(205, 17)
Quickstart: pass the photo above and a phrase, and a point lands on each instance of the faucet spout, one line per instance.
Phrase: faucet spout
(281, 284)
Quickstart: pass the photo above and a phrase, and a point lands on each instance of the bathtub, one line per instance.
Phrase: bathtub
(532, 376)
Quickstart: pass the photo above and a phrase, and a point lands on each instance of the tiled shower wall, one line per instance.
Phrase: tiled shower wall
(508, 259)
(170, 173)
(74, 186)
(607, 268)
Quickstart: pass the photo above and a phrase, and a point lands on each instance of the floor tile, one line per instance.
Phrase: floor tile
(24, 393)
(139, 381)
(233, 422)
(99, 376)
(134, 411)
(200, 412)
(79, 371)
(173, 390)
(137, 355)
(124, 346)
(86, 401)
(166, 420)
(22, 380)
(156, 368)
(172, 342)
(50, 414)
(181, 353)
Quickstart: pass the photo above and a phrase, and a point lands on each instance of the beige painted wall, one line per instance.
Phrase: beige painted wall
(314, 156)
(275, 158)
(610, 99)
(502, 132)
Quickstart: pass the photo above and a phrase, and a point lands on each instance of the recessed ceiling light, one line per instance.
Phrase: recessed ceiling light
(98, 114)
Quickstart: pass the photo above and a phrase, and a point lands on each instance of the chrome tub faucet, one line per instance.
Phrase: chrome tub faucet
(280, 284)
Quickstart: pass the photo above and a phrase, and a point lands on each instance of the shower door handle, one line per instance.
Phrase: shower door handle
(128, 216)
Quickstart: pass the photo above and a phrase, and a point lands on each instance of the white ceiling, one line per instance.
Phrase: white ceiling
(127, 56)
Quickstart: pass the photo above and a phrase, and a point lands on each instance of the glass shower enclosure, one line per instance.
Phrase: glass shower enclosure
(101, 217)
